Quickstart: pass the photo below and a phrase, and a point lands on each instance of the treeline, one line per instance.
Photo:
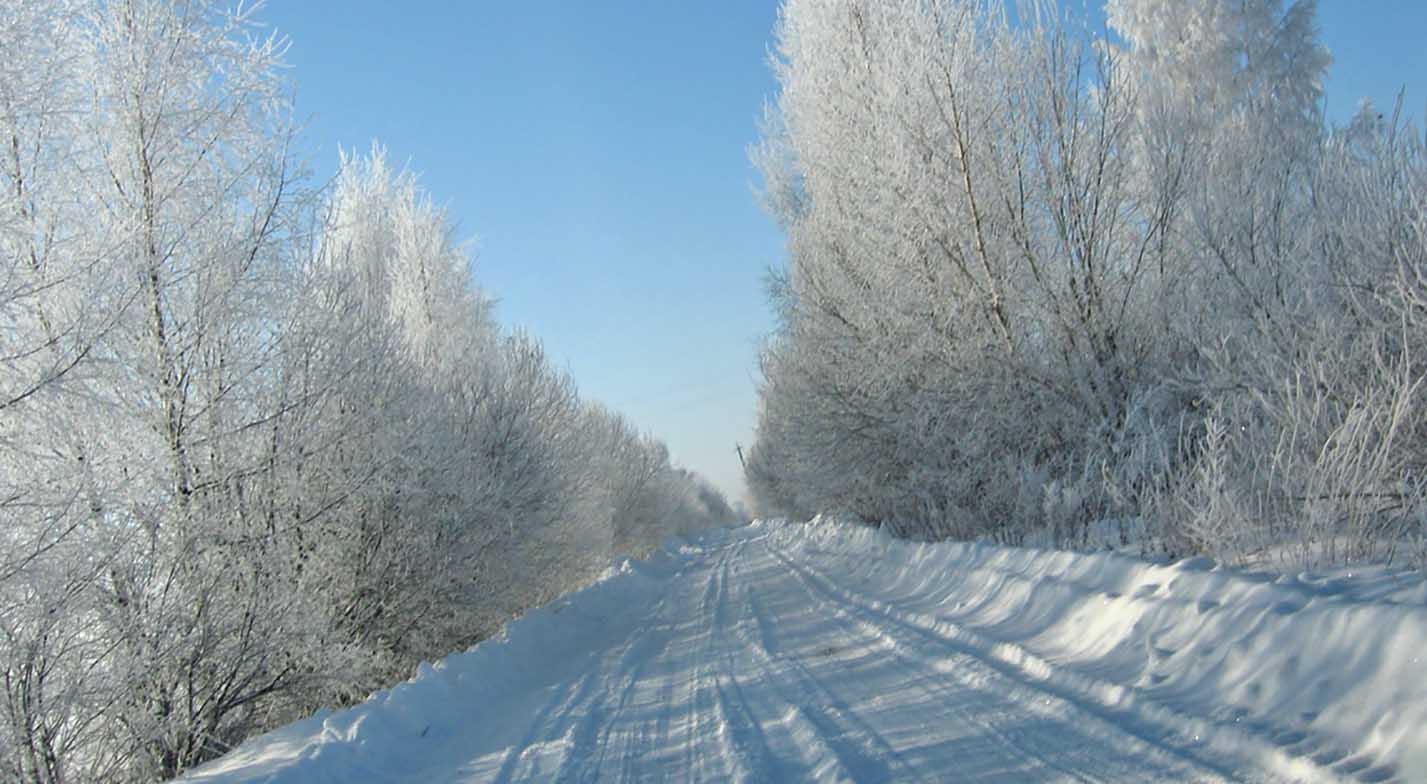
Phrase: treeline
(1041, 278)
(263, 447)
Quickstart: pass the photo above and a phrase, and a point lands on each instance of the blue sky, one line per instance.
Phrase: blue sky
(595, 152)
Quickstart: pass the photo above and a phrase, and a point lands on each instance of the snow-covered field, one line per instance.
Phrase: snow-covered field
(782, 652)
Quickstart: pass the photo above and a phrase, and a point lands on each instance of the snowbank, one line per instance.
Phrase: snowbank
(1331, 667)
(390, 735)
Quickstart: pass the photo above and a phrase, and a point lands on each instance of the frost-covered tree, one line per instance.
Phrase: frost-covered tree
(146, 176)
(1037, 276)
(1207, 63)
(191, 133)
(465, 478)
(80, 216)
(963, 226)
(1227, 130)
(1298, 238)
(261, 449)
(53, 312)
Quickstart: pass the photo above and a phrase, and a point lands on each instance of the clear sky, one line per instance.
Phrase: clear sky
(595, 152)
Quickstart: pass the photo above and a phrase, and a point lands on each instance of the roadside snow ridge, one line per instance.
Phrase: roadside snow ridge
(820, 652)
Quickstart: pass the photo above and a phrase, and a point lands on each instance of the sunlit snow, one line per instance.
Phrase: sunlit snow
(782, 652)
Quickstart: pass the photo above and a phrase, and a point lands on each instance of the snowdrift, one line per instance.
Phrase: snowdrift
(1311, 676)
(1327, 672)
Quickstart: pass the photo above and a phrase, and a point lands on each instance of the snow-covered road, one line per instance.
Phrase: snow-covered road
(787, 653)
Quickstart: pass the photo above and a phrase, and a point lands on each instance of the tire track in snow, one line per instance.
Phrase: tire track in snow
(621, 731)
(521, 761)
(945, 679)
(920, 674)
(527, 761)
(1190, 739)
(585, 758)
(709, 712)
(814, 717)
(741, 726)
(793, 741)
(632, 736)
(1297, 752)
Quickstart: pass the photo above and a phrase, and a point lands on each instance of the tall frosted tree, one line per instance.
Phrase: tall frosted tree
(963, 225)
(1228, 128)
(56, 306)
(262, 449)
(1038, 277)
(192, 178)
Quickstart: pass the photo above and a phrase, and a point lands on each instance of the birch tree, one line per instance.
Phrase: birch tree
(191, 181)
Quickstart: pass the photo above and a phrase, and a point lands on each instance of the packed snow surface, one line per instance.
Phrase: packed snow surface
(821, 652)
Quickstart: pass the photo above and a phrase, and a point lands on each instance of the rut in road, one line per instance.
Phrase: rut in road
(753, 670)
